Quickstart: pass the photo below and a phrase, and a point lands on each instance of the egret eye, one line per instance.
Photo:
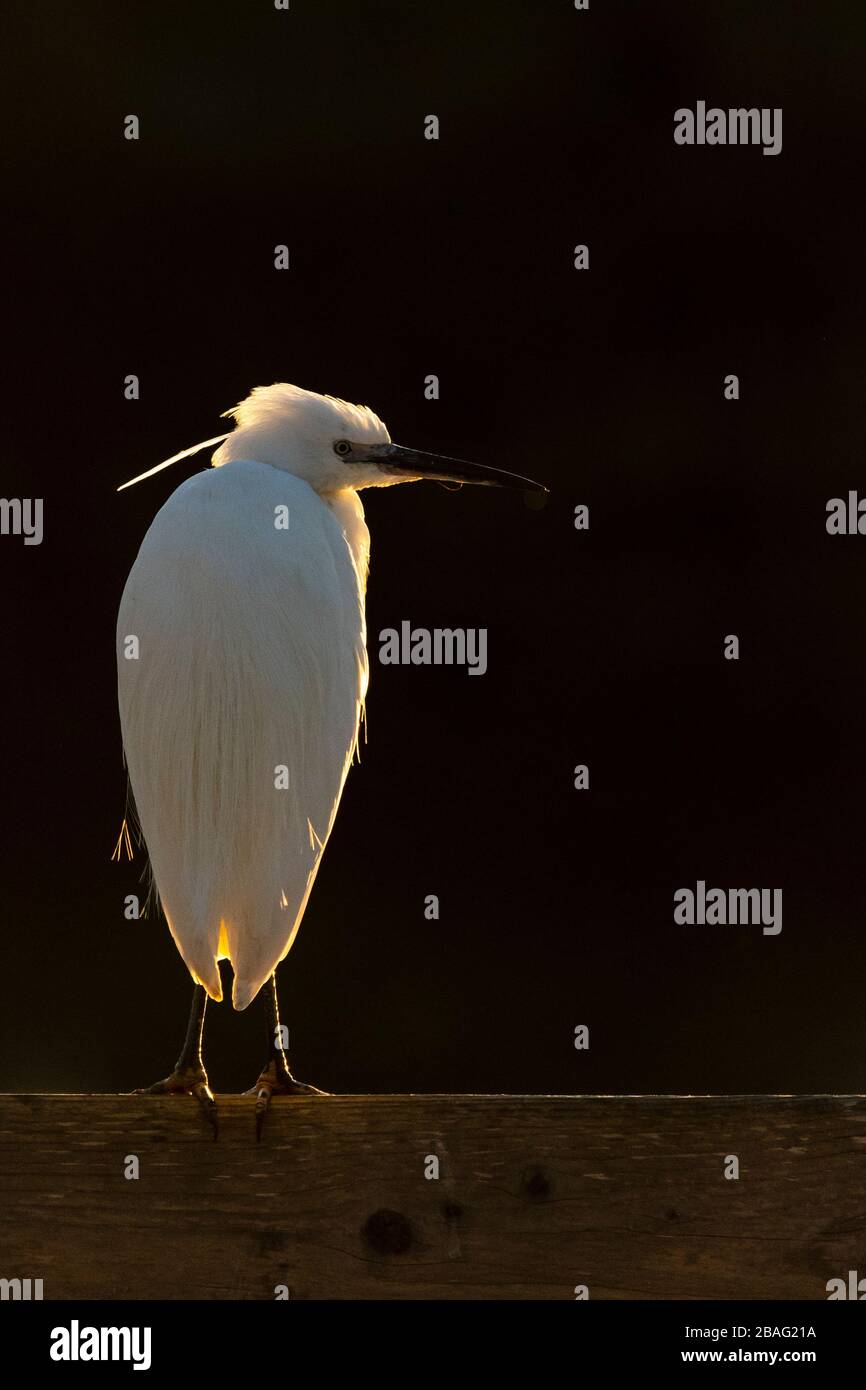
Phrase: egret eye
(342, 447)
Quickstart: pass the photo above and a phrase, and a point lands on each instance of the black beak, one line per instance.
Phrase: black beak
(393, 458)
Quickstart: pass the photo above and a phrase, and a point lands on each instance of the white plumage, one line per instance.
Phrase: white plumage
(251, 658)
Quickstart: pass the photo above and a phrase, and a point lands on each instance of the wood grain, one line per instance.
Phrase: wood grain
(536, 1194)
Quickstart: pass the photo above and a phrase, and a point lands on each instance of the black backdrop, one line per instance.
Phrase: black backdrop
(410, 257)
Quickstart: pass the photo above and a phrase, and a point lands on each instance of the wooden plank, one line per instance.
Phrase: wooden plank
(536, 1195)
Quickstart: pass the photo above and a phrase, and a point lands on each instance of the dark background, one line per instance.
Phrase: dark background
(707, 518)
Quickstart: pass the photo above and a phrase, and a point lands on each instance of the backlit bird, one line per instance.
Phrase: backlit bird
(242, 673)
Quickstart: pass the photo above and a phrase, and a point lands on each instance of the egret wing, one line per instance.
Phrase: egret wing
(240, 708)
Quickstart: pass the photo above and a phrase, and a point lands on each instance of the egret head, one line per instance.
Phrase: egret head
(333, 445)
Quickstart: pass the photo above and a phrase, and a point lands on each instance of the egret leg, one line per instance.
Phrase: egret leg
(189, 1077)
(276, 1077)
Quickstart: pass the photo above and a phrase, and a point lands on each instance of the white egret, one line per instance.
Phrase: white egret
(242, 691)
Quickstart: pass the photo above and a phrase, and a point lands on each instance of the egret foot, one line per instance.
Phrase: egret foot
(277, 1081)
(276, 1078)
(187, 1081)
(189, 1077)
